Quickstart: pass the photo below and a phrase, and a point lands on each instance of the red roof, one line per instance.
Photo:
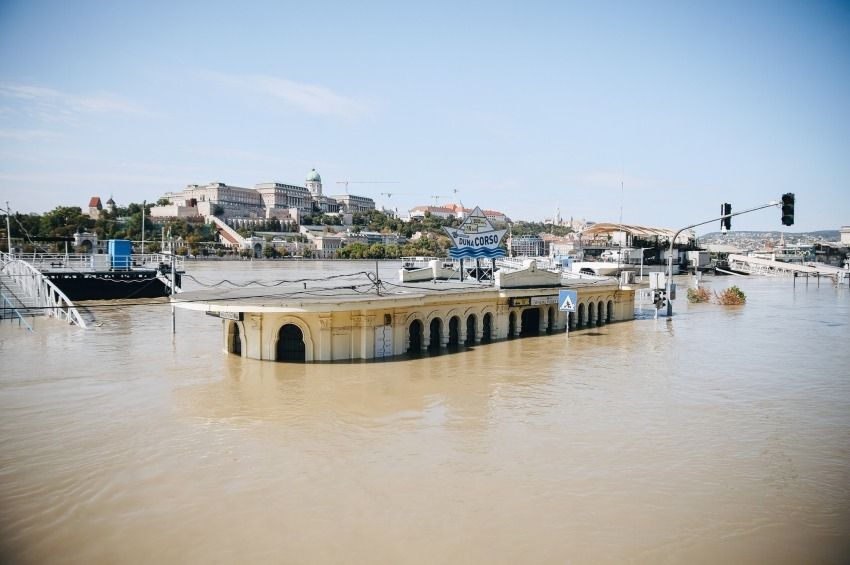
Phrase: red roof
(95, 202)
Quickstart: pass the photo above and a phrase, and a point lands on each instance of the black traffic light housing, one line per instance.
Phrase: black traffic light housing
(788, 209)
(725, 222)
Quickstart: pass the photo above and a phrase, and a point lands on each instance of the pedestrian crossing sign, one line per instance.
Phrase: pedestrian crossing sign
(567, 300)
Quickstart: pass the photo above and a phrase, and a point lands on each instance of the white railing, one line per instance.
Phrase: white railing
(38, 288)
(95, 262)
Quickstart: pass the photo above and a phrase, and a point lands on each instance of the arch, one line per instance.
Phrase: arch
(550, 322)
(530, 322)
(487, 328)
(415, 336)
(86, 247)
(436, 331)
(454, 332)
(234, 338)
(591, 313)
(581, 315)
(290, 344)
(471, 327)
(511, 324)
(258, 250)
(571, 321)
(600, 313)
(609, 312)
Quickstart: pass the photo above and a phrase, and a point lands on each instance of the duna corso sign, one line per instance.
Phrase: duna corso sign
(475, 238)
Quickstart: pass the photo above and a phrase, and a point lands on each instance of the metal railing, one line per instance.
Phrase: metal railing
(96, 262)
(35, 286)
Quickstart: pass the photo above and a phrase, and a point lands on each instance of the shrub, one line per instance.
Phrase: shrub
(731, 296)
(698, 295)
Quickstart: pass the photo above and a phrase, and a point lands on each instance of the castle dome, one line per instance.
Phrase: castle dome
(313, 176)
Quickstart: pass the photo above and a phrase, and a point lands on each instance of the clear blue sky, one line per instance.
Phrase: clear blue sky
(523, 107)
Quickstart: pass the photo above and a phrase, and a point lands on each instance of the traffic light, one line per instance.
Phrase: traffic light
(788, 209)
(725, 223)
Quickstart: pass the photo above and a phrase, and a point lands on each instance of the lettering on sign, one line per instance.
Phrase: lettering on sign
(235, 316)
(533, 300)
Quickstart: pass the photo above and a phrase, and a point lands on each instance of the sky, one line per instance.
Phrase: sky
(651, 112)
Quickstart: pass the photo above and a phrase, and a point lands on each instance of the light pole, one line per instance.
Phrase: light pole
(642, 249)
(8, 229)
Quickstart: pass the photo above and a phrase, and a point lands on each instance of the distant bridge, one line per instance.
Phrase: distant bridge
(756, 266)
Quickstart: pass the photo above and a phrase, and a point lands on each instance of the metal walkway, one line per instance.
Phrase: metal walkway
(767, 267)
(26, 292)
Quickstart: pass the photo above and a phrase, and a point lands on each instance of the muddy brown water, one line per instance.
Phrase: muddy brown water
(720, 435)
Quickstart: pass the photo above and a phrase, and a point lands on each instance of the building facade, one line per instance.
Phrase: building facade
(265, 200)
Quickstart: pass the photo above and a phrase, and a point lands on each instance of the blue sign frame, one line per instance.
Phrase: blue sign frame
(567, 300)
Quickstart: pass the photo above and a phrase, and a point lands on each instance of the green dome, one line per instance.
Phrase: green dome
(314, 176)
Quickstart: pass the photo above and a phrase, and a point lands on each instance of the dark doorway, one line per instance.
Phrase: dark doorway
(511, 325)
(609, 312)
(454, 332)
(487, 328)
(580, 322)
(236, 341)
(290, 344)
(436, 326)
(550, 326)
(530, 321)
(415, 337)
(470, 330)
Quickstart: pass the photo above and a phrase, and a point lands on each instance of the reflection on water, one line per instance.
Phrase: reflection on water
(719, 435)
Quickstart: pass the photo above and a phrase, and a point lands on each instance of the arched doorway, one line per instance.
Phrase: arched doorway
(415, 344)
(609, 312)
(487, 328)
(581, 316)
(571, 321)
(530, 322)
(436, 332)
(600, 313)
(550, 322)
(290, 344)
(235, 339)
(454, 332)
(470, 330)
(258, 251)
(511, 325)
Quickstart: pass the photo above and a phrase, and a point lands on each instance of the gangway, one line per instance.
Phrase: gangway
(768, 267)
(26, 289)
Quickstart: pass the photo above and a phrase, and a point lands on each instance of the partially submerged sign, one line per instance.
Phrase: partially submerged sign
(567, 300)
(476, 238)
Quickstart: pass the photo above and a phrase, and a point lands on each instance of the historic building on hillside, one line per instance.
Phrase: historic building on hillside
(265, 200)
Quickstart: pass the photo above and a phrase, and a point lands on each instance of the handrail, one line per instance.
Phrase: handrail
(46, 294)
(11, 307)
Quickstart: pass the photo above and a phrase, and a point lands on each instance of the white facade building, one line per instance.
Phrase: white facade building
(265, 200)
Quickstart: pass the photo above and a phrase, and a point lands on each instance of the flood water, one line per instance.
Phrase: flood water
(721, 435)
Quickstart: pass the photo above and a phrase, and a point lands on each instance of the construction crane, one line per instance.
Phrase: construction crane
(347, 182)
(436, 198)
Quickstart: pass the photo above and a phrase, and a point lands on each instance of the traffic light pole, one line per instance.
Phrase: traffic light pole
(668, 286)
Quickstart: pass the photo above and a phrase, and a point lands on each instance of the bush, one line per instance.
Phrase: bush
(698, 295)
(731, 296)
